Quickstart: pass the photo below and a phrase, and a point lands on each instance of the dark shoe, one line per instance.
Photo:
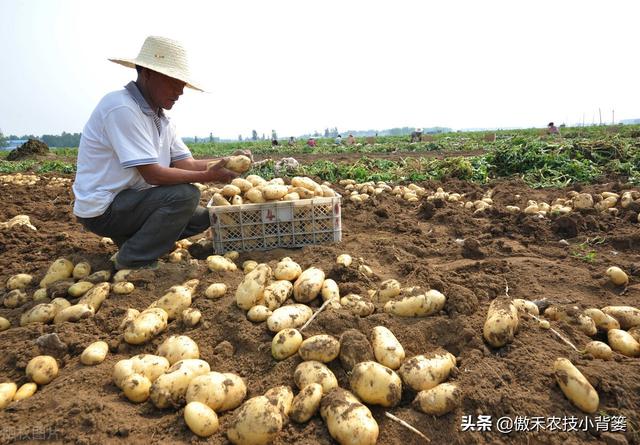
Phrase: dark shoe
(118, 266)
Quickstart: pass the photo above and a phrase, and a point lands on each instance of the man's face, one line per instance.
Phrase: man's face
(164, 91)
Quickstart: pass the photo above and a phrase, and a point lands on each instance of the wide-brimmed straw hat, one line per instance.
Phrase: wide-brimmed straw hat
(165, 56)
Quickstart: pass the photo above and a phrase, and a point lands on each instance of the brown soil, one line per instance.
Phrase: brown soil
(412, 243)
(31, 148)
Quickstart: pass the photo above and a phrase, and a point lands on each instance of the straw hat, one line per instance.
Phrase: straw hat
(165, 56)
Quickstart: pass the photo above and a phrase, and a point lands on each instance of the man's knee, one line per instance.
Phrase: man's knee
(183, 193)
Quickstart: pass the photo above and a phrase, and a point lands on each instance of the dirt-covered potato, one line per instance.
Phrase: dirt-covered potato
(190, 317)
(305, 405)
(218, 263)
(330, 290)
(575, 386)
(256, 422)
(41, 295)
(60, 269)
(95, 296)
(136, 387)
(250, 291)
(4, 324)
(322, 348)
(438, 400)
(287, 269)
(149, 365)
(201, 419)
(526, 306)
(129, 316)
(428, 370)
(386, 347)
(123, 288)
(100, 276)
(78, 289)
(19, 281)
(25, 391)
(177, 299)
(599, 350)
(40, 313)
(627, 316)
(314, 372)
(121, 275)
(58, 289)
(282, 398)
(258, 313)
(308, 285)
(60, 304)
(388, 290)
(145, 326)
(121, 370)
(7, 392)
(178, 347)
(354, 348)
(15, 298)
(238, 163)
(286, 343)
(501, 323)
(623, 342)
(376, 384)
(276, 293)
(219, 391)
(171, 387)
(216, 290)
(344, 260)
(357, 305)
(416, 302)
(248, 266)
(74, 313)
(42, 369)
(289, 316)
(349, 422)
(81, 270)
(95, 353)
(603, 321)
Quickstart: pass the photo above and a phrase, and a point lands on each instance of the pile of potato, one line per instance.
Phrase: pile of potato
(56, 181)
(19, 179)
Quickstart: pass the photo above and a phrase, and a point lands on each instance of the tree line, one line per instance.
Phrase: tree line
(52, 140)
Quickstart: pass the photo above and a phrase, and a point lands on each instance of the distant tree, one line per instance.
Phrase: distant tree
(254, 135)
(63, 140)
(326, 132)
(3, 140)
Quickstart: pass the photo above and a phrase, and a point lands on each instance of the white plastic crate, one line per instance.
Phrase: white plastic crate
(276, 224)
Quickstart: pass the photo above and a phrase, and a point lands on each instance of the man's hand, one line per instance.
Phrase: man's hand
(217, 173)
(246, 153)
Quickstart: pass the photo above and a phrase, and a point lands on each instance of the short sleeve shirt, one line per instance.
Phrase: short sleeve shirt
(123, 132)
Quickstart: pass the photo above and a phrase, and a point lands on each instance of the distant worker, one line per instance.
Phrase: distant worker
(338, 140)
(274, 138)
(416, 135)
(292, 141)
(552, 129)
(311, 142)
(351, 140)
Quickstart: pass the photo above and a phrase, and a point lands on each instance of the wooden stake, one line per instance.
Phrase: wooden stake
(406, 425)
(324, 305)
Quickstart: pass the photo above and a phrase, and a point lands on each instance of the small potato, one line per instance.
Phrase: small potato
(349, 422)
(289, 316)
(276, 293)
(439, 400)
(575, 386)
(4, 324)
(15, 298)
(526, 306)
(501, 323)
(427, 371)
(258, 313)
(627, 316)
(60, 269)
(282, 398)
(256, 422)
(201, 419)
(248, 266)
(617, 276)
(357, 305)
(40, 295)
(416, 303)
(314, 372)
(216, 290)
(388, 290)
(190, 317)
(287, 269)
(286, 343)
(623, 342)
(81, 270)
(79, 289)
(19, 281)
(376, 384)
(149, 365)
(123, 288)
(322, 348)
(7, 392)
(344, 260)
(599, 350)
(178, 347)
(308, 285)
(25, 391)
(386, 347)
(95, 353)
(136, 387)
(306, 404)
(42, 369)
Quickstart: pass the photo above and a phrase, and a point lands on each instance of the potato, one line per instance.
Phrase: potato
(330, 290)
(216, 290)
(129, 316)
(136, 387)
(95, 353)
(322, 348)
(149, 365)
(276, 293)
(583, 201)
(256, 422)
(24, 392)
(81, 270)
(274, 192)
(344, 260)
(602, 320)
(256, 180)
(599, 349)
(314, 372)
(427, 371)
(255, 195)
(122, 370)
(248, 266)
(386, 347)
(587, 325)
(258, 313)
(59, 288)
(170, 388)
(78, 289)
(177, 299)
(41, 313)
(575, 386)
(230, 190)
(282, 398)
(219, 391)
(285, 343)
(287, 269)
(74, 313)
(349, 422)
(100, 276)
(190, 317)
(121, 275)
(501, 323)
(526, 306)
(40, 295)
(308, 285)
(388, 290)
(60, 304)
(218, 263)
(617, 276)
(232, 255)
(416, 303)
(376, 384)
(178, 347)
(15, 298)
(4, 324)
(123, 288)
(7, 392)
(42, 369)
(59, 270)
(96, 296)
(293, 196)
(627, 316)
(201, 419)
(242, 184)
(19, 281)
(305, 405)
(238, 163)
(438, 400)
(634, 332)
(251, 290)
(623, 342)
(358, 305)
(354, 348)
(145, 326)
(289, 316)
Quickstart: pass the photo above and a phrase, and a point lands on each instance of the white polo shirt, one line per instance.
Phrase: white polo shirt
(122, 133)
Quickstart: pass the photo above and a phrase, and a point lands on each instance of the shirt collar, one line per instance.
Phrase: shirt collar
(137, 96)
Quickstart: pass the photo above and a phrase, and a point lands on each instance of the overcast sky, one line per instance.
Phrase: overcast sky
(299, 66)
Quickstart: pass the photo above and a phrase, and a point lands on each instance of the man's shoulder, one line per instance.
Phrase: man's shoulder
(116, 99)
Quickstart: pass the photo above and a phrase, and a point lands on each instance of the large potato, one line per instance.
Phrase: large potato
(178, 347)
(216, 290)
(238, 163)
(201, 419)
(276, 293)
(250, 291)
(322, 348)
(42, 369)
(145, 326)
(305, 405)
(40, 313)
(386, 347)
(416, 303)
(349, 422)
(60, 269)
(170, 388)
(314, 372)
(357, 305)
(438, 400)
(286, 343)
(177, 299)
(24, 392)
(149, 365)
(627, 316)
(308, 285)
(526, 306)
(19, 281)
(599, 350)
(376, 384)
(96, 296)
(388, 290)
(282, 398)
(426, 371)
(575, 386)
(256, 422)
(501, 323)
(7, 392)
(220, 392)
(330, 290)
(623, 342)
(274, 192)
(289, 316)
(74, 313)
(95, 353)
(79, 289)
(287, 269)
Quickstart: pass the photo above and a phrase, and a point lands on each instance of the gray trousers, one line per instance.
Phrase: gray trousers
(145, 224)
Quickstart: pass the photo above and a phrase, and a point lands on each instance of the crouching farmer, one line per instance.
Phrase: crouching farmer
(134, 174)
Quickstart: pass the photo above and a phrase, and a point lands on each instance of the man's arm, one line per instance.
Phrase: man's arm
(154, 174)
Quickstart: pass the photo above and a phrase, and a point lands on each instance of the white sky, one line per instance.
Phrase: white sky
(300, 66)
